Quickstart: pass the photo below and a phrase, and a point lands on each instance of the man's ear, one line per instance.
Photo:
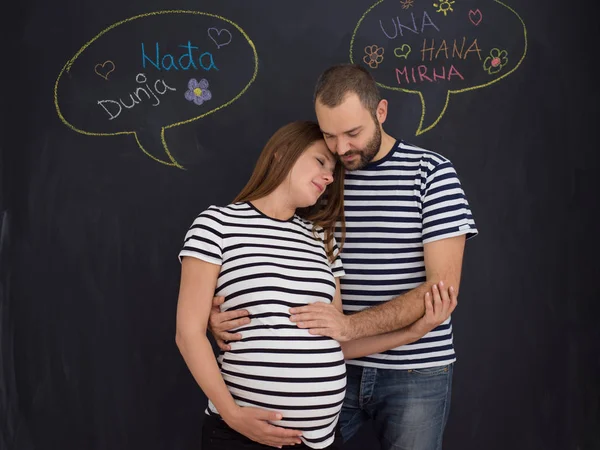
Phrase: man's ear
(381, 111)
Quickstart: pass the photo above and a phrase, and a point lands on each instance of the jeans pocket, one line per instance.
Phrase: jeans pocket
(430, 371)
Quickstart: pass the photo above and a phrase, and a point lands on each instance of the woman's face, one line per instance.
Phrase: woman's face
(311, 174)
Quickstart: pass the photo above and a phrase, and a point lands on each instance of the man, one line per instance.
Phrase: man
(407, 220)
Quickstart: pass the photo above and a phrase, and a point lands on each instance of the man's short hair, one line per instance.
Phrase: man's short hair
(336, 82)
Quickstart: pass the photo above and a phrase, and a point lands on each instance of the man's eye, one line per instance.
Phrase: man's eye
(352, 134)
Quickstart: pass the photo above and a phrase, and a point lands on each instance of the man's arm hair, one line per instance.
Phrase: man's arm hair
(443, 262)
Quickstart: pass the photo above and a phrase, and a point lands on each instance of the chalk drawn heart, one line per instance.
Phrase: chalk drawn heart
(475, 17)
(402, 52)
(105, 69)
(215, 35)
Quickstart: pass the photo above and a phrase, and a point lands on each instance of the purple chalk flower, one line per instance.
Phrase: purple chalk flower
(198, 91)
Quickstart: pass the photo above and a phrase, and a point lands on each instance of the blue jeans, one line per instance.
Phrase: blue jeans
(409, 408)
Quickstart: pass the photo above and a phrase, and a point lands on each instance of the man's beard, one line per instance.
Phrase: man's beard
(366, 154)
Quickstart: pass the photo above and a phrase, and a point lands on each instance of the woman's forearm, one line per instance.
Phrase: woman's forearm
(200, 359)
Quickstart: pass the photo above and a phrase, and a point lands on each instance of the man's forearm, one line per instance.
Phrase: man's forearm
(393, 315)
(357, 348)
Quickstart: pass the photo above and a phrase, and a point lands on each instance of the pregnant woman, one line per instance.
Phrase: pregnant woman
(271, 249)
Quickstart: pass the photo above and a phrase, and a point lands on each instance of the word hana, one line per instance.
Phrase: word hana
(443, 49)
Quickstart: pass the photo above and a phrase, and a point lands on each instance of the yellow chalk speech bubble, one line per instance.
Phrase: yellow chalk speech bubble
(197, 62)
(445, 45)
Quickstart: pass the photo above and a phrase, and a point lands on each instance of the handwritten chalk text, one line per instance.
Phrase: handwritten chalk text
(114, 108)
(398, 27)
(424, 73)
(186, 61)
(431, 51)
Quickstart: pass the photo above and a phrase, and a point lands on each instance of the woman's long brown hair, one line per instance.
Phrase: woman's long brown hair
(273, 166)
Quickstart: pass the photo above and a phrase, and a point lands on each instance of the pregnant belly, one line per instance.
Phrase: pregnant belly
(305, 383)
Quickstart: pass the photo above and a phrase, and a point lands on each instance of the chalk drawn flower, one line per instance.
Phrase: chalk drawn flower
(496, 61)
(198, 91)
(374, 56)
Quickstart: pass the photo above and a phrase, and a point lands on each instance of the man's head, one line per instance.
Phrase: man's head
(350, 112)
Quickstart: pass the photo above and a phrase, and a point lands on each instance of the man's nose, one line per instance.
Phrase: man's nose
(343, 145)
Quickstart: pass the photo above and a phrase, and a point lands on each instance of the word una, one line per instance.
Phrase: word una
(443, 49)
(113, 108)
(398, 27)
(422, 75)
(185, 62)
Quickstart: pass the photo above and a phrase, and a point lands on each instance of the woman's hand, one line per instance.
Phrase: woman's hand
(254, 424)
(438, 306)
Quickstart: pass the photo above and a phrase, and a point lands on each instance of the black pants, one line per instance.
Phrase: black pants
(217, 435)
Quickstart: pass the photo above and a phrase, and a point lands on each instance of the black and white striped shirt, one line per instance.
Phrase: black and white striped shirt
(393, 207)
(268, 266)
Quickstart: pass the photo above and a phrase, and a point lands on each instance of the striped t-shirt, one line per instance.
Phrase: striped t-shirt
(393, 206)
(267, 267)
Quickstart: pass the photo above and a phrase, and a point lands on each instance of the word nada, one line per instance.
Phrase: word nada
(114, 108)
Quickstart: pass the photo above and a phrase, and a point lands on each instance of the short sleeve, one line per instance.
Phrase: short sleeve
(204, 239)
(445, 209)
(337, 267)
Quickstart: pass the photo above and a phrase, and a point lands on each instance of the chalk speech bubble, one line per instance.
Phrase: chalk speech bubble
(153, 72)
(438, 48)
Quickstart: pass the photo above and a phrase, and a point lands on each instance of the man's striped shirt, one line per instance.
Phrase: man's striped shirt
(267, 267)
(393, 207)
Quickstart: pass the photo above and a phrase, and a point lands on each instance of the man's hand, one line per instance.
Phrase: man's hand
(323, 319)
(219, 323)
(326, 320)
(253, 423)
(437, 310)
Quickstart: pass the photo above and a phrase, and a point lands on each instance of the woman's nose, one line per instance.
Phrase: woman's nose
(328, 177)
